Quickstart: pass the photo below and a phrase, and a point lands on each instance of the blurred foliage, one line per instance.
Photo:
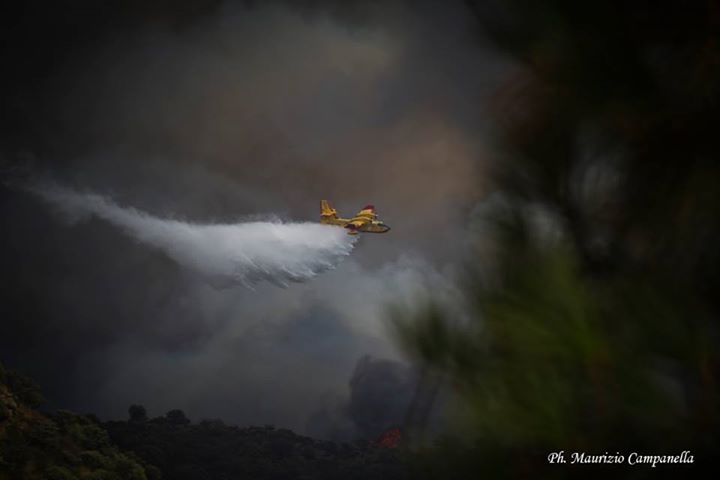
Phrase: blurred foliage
(593, 290)
(61, 446)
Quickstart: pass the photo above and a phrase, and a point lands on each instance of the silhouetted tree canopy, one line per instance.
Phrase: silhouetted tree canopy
(65, 445)
(211, 449)
(177, 417)
(137, 413)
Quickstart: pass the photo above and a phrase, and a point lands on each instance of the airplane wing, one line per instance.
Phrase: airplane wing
(367, 211)
(366, 215)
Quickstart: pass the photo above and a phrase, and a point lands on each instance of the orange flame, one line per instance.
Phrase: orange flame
(389, 439)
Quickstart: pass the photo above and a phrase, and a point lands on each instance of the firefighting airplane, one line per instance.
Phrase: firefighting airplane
(364, 221)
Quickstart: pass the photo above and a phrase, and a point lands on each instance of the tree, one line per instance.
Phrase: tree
(177, 417)
(24, 389)
(137, 413)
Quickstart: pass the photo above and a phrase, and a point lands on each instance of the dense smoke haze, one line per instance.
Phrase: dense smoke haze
(193, 150)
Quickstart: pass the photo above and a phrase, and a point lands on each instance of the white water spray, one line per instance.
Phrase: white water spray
(224, 254)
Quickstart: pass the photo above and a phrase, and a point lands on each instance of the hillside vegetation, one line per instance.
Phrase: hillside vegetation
(68, 446)
(61, 446)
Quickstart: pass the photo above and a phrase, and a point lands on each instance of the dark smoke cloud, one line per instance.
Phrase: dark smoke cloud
(380, 393)
(222, 114)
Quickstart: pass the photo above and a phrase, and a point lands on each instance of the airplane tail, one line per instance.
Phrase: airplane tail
(326, 212)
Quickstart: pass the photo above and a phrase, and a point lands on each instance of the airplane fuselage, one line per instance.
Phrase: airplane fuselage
(373, 226)
(365, 221)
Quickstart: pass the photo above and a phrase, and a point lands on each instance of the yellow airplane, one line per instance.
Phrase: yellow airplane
(365, 221)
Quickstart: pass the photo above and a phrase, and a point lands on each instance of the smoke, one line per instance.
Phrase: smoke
(381, 392)
(233, 111)
(223, 254)
(380, 395)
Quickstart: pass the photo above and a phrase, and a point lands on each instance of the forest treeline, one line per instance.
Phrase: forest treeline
(69, 446)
